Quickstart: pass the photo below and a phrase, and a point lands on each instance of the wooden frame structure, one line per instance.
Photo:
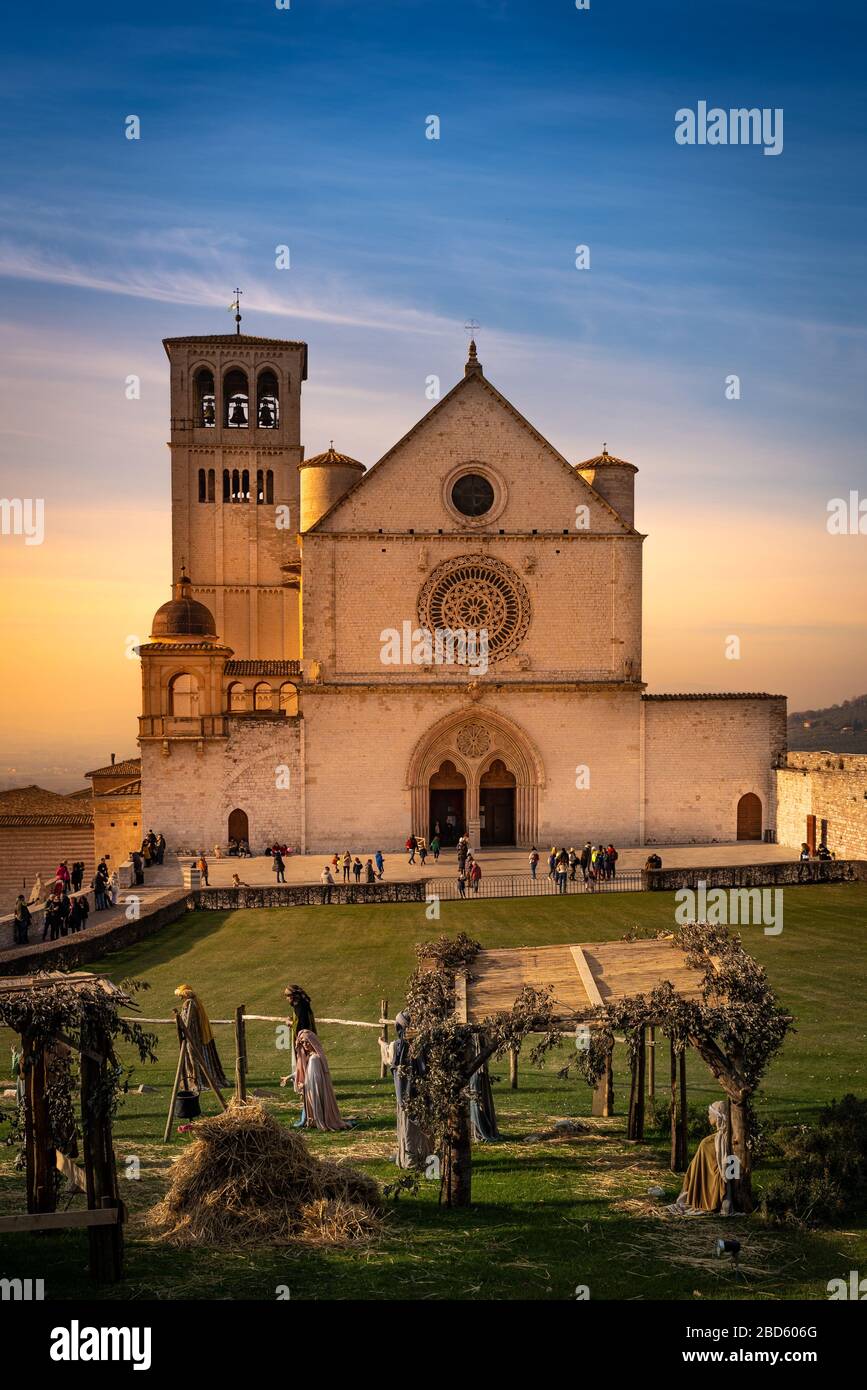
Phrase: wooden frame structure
(104, 1215)
(582, 978)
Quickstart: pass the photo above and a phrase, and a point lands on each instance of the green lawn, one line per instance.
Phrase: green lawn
(546, 1216)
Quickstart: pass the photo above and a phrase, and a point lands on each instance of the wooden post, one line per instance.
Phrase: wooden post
(240, 1055)
(513, 1068)
(651, 1074)
(684, 1114)
(41, 1159)
(105, 1242)
(640, 1069)
(182, 1047)
(603, 1093)
(677, 1160)
(742, 1185)
(383, 1013)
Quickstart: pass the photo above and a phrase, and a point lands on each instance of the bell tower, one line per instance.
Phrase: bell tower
(236, 446)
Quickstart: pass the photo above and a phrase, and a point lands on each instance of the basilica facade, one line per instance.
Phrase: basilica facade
(450, 638)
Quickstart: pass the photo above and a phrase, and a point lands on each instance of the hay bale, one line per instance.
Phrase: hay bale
(247, 1179)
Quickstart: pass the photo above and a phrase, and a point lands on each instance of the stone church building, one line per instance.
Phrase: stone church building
(451, 637)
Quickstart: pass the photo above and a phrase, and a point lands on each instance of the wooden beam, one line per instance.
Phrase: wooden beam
(586, 974)
(61, 1220)
(461, 996)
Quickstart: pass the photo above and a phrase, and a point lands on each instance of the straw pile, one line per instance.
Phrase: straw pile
(247, 1179)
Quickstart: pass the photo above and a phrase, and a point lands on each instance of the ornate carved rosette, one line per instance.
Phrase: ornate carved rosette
(475, 593)
(473, 741)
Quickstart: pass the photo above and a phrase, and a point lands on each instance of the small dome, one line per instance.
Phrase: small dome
(331, 458)
(183, 616)
(606, 460)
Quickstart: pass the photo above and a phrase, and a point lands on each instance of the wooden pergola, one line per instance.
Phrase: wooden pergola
(97, 1179)
(581, 978)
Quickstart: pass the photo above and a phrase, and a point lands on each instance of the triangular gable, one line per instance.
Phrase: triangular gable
(477, 379)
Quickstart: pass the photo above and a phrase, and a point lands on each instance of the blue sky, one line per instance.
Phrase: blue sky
(306, 127)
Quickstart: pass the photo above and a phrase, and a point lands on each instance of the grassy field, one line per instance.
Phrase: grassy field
(547, 1216)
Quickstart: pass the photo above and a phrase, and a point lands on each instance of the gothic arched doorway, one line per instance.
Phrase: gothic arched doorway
(239, 826)
(749, 817)
(447, 803)
(497, 805)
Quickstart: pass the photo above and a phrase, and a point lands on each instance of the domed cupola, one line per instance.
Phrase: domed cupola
(324, 480)
(183, 618)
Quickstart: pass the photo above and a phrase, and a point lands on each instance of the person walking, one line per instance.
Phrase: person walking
(203, 869)
(380, 863)
(326, 878)
(435, 847)
(534, 862)
(63, 874)
(411, 846)
(278, 866)
(23, 920)
(462, 882)
(422, 852)
(574, 861)
(347, 865)
(561, 874)
(552, 860)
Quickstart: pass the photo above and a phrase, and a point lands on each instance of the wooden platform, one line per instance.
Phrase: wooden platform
(581, 976)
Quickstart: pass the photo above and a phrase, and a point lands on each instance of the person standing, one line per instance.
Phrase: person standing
(203, 869)
(534, 862)
(77, 876)
(475, 875)
(161, 847)
(380, 863)
(357, 866)
(462, 881)
(552, 860)
(22, 922)
(422, 852)
(611, 857)
(63, 874)
(369, 872)
(574, 861)
(278, 866)
(586, 854)
(562, 872)
(326, 878)
(313, 1082)
(347, 865)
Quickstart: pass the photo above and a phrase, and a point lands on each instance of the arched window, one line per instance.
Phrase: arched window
(260, 485)
(289, 698)
(184, 696)
(236, 400)
(202, 485)
(227, 486)
(205, 400)
(268, 399)
(236, 485)
(245, 486)
(237, 700)
(269, 487)
(211, 484)
(263, 696)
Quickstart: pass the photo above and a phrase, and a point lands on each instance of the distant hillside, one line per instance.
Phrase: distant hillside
(840, 729)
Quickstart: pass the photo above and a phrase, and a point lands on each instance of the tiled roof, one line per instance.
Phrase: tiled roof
(263, 668)
(232, 340)
(331, 457)
(604, 458)
(132, 788)
(130, 767)
(720, 695)
(36, 806)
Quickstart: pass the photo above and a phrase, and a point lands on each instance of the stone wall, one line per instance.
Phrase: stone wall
(783, 874)
(117, 827)
(189, 794)
(833, 788)
(701, 756)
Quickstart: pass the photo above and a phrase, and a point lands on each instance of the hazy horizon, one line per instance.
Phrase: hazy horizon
(306, 128)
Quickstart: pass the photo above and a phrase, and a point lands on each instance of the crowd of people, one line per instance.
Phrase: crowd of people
(65, 907)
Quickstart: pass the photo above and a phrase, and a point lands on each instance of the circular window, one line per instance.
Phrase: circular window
(475, 594)
(473, 495)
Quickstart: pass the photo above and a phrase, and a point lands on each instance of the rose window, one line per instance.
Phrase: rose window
(475, 594)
